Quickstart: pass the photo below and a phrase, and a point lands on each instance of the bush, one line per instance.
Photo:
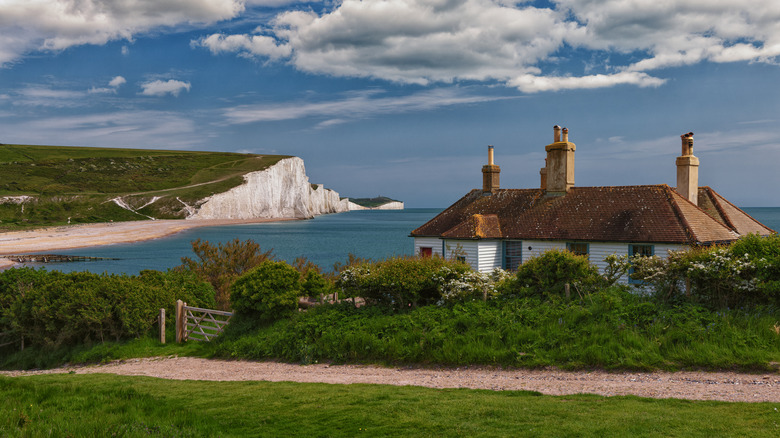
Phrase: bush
(745, 273)
(53, 309)
(268, 292)
(546, 275)
(400, 282)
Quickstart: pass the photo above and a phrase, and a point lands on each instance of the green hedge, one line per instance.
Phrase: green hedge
(53, 309)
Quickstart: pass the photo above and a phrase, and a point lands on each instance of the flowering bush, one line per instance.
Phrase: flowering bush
(401, 282)
(744, 273)
(458, 287)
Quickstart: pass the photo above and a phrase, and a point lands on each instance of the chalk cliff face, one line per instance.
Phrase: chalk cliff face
(395, 205)
(281, 191)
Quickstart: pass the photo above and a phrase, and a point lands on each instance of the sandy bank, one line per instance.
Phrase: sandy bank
(80, 236)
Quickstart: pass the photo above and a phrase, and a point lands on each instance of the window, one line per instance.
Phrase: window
(513, 255)
(640, 250)
(461, 259)
(578, 248)
(426, 251)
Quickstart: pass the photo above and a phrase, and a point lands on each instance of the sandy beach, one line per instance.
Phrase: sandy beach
(86, 235)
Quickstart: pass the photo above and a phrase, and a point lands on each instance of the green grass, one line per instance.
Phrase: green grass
(77, 182)
(105, 405)
(617, 331)
(372, 202)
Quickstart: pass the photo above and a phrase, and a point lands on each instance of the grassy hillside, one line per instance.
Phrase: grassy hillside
(372, 202)
(79, 183)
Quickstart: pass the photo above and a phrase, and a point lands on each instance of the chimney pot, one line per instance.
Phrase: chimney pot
(565, 134)
(556, 134)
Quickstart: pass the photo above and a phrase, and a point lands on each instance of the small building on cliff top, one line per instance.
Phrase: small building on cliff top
(495, 227)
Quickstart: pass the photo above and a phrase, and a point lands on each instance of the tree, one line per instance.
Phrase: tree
(268, 292)
(222, 264)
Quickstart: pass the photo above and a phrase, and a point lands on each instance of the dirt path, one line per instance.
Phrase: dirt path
(723, 386)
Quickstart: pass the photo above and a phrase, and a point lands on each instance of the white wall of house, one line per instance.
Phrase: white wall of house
(427, 242)
(484, 255)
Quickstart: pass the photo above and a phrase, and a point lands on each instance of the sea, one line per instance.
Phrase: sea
(323, 240)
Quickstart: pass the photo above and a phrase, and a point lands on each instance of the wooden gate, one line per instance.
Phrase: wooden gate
(199, 324)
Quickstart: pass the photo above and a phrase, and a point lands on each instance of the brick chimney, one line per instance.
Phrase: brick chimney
(558, 177)
(543, 175)
(688, 171)
(490, 174)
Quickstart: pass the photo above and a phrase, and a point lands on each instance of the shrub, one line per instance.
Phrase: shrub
(400, 282)
(53, 309)
(745, 273)
(220, 265)
(546, 275)
(268, 292)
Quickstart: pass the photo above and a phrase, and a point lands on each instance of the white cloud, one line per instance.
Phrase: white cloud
(44, 96)
(113, 85)
(161, 88)
(117, 82)
(359, 106)
(533, 84)
(146, 129)
(30, 25)
(515, 43)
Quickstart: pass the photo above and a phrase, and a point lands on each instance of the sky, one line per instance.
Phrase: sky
(401, 98)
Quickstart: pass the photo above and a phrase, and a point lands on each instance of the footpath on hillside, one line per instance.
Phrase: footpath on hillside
(691, 385)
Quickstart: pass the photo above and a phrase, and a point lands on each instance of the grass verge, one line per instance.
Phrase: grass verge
(106, 405)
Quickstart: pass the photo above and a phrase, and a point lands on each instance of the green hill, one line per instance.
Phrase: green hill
(372, 202)
(79, 184)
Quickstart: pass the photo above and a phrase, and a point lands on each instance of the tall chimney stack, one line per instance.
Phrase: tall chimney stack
(490, 174)
(688, 171)
(559, 170)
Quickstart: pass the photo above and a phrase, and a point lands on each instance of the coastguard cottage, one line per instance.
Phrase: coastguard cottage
(495, 227)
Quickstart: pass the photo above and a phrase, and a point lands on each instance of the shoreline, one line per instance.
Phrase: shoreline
(66, 237)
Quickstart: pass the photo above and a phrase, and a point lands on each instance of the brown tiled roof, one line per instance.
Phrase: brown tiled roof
(613, 214)
(730, 215)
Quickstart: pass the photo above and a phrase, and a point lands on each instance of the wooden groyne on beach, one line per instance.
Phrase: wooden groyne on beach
(52, 258)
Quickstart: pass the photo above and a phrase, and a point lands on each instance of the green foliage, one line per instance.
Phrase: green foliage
(268, 292)
(372, 202)
(109, 405)
(53, 309)
(610, 329)
(546, 275)
(315, 285)
(222, 264)
(400, 282)
(745, 273)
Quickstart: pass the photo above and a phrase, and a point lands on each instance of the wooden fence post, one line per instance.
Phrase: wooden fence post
(161, 321)
(567, 290)
(179, 321)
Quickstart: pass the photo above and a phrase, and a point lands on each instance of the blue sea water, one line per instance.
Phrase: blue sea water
(324, 240)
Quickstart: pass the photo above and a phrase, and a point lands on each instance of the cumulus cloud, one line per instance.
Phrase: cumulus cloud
(161, 88)
(113, 85)
(30, 25)
(357, 106)
(515, 43)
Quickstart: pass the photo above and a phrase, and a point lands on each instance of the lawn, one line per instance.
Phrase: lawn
(107, 405)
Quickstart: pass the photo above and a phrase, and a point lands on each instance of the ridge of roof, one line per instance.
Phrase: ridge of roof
(686, 226)
(718, 198)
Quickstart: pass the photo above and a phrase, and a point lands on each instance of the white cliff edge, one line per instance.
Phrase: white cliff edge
(395, 205)
(281, 191)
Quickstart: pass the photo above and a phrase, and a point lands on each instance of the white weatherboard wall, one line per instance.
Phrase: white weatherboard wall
(427, 242)
(281, 191)
(463, 248)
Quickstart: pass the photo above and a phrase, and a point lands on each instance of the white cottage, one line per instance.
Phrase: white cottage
(496, 227)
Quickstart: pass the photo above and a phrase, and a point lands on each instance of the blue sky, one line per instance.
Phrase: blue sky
(401, 98)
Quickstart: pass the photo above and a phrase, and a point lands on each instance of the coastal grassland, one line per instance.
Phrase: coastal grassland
(106, 405)
(613, 330)
(78, 183)
(372, 202)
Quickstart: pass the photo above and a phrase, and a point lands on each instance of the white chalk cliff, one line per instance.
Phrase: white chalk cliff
(280, 191)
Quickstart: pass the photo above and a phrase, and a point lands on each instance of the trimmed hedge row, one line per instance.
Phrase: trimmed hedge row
(53, 309)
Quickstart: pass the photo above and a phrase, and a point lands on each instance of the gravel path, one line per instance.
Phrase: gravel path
(723, 386)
